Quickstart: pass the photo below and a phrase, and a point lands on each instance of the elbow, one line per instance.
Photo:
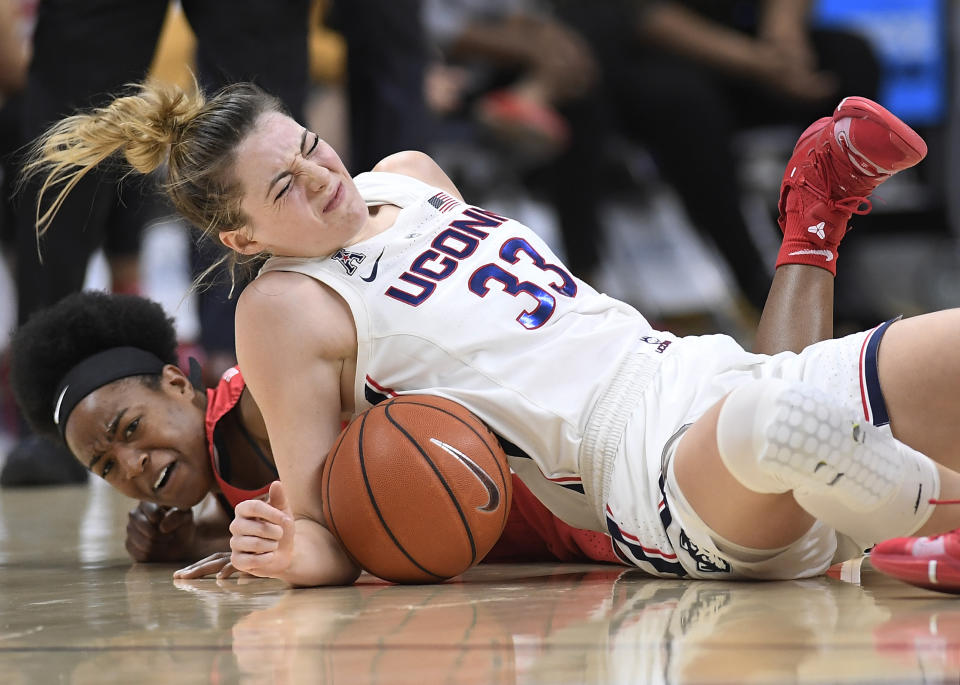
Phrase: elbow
(350, 577)
(336, 578)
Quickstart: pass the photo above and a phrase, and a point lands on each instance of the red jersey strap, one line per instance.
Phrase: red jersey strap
(220, 400)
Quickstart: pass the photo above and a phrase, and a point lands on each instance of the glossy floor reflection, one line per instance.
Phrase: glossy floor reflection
(74, 610)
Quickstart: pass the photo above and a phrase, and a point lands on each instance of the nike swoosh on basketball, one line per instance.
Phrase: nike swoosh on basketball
(493, 493)
(826, 254)
(373, 271)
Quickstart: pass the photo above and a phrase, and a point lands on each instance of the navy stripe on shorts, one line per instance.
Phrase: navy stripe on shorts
(874, 406)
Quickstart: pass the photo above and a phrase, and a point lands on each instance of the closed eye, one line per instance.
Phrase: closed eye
(316, 142)
(131, 428)
(284, 189)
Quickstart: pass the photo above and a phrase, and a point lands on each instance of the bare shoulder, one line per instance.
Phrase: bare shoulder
(282, 308)
(273, 295)
(420, 166)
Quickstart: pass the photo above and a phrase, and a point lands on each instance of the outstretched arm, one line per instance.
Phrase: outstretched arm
(779, 59)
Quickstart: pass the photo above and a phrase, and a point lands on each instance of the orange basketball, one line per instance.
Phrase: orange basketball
(417, 489)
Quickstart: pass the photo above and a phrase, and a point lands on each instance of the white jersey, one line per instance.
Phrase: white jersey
(457, 301)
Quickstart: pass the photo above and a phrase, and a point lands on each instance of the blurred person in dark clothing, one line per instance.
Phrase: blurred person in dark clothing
(16, 19)
(528, 79)
(684, 77)
(386, 63)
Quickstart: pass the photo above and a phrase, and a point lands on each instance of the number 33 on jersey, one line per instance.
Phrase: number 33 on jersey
(461, 302)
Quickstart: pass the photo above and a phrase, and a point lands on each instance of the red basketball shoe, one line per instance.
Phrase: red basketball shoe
(928, 562)
(835, 165)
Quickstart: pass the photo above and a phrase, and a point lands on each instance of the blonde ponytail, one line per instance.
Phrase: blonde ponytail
(143, 126)
(192, 137)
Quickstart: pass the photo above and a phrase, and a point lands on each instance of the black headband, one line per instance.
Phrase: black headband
(95, 372)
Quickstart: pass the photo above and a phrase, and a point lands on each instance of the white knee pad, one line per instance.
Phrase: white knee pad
(776, 436)
(902, 515)
(742, 425)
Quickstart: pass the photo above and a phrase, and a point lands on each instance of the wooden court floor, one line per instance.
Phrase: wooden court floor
(73, 609)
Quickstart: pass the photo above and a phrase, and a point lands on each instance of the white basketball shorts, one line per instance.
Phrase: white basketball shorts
(652, 525)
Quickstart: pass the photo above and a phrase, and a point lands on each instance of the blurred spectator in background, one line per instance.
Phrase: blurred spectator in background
(16, 25)
(387, 54)
(528, 80)
(15, 20)
(684, 77)
(121, 246)
(83, 51)
(521, 64)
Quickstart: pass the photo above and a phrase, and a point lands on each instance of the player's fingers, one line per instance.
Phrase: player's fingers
(143, 534)
(137, 513)
(228, 570)
(288, 529)
(256, 528)
(139, 525)
(258, 509)
(204, 567)
(251, 544)
(152, 512)
(254, 564)
(278, 497)
(175, 518)
(137, 550)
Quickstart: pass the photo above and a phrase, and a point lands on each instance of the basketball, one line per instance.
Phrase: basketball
(416, 489)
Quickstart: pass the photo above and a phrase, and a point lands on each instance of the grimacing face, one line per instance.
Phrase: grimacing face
(150, 444)
(299, 198)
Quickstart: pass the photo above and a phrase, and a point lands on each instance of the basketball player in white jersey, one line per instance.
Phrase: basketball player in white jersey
(699, 459)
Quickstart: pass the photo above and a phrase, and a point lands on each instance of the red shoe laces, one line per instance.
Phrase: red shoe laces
(941, 501)
(824, 163)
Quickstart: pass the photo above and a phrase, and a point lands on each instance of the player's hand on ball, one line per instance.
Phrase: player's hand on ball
(262, 535)
(156, 533)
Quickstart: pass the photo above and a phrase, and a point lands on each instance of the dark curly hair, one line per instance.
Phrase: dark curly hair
(59, 337)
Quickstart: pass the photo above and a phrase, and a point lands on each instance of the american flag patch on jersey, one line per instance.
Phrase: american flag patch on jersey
(443, 202)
